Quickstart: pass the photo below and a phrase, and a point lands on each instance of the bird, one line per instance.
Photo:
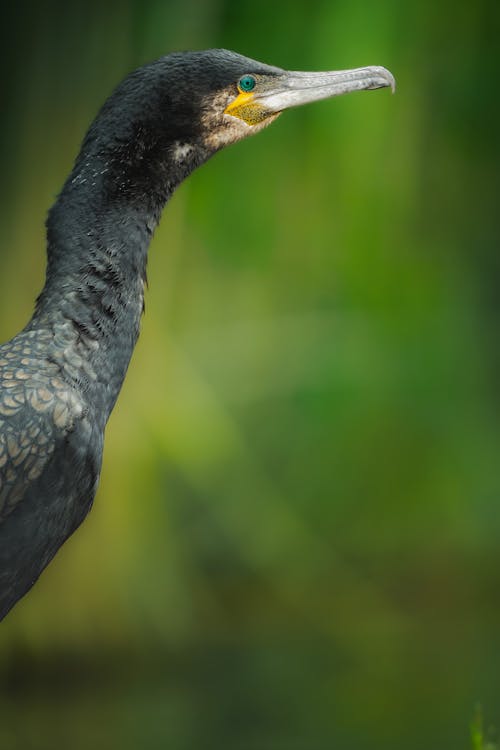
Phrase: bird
(61, 375)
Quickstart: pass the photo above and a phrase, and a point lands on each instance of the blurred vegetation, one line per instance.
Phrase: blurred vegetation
(480, 740)
(295, 540)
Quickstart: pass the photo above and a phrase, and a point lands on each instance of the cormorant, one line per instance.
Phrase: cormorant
(60, 377)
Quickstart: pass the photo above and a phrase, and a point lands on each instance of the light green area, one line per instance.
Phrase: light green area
(295, 540)
(479, 738)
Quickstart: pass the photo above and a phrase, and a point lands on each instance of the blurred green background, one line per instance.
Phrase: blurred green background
(295, 543)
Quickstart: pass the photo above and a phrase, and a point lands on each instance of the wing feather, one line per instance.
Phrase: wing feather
(37, 411)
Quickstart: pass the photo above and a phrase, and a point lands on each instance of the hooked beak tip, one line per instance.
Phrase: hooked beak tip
(390, 81)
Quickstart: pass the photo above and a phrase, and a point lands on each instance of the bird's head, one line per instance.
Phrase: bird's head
(221, 97)
(243, 96)
(171, 115)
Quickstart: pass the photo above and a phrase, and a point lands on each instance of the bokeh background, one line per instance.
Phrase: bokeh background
(295, 543)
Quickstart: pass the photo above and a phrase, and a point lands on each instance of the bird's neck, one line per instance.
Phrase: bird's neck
(98, 233)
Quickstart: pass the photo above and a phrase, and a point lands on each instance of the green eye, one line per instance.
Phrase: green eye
(246, 83)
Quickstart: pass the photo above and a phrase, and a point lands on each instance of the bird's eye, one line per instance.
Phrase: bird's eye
(246, 83)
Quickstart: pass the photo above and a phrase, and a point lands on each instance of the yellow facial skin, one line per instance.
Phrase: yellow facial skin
(247, 109)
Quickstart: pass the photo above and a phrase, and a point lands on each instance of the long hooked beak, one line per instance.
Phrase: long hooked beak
(295, 87)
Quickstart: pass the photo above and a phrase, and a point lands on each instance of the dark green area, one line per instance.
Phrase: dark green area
(295, 541)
